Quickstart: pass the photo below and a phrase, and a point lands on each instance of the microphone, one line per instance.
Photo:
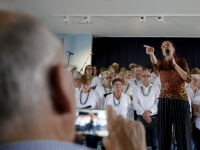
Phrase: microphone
(70, 53)
(167, 52)
(91, 53)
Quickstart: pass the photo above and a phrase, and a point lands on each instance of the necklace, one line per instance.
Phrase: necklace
(105, 88)
(127, 88)
(147, 93)
(116, 105)
(86, 98)
(136, 82)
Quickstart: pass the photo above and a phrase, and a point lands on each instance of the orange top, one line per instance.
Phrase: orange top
(172, 84)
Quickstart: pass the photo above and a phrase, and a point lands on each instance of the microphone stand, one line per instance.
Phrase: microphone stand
(85, 63)
(69, 57)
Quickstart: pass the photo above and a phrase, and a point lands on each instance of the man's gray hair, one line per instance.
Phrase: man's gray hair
(27, 49)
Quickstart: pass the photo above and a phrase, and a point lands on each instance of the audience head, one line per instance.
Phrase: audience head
(195, 80)
(114, 68)
(112, 73)
(130, 75)
(146, 77)
(124, 77)
(148, 67)
(117, 84)
(107, 77)
(171, 46)
(131, 67)
(102, 70)
(77, 78)
(123, 69)
(95, 71)
(36, 100)
(85, 80)
(88, 70)
(138, 71)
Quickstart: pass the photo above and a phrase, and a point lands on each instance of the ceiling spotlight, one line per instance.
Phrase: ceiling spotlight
(160, 19)
(66, 19)
(143, 19)
(87, 19)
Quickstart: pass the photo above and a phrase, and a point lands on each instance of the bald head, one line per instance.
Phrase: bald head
(28, 53)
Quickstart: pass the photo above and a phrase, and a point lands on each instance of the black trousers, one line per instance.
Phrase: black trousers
(177, 112)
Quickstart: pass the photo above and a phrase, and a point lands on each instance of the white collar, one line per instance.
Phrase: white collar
(145, 86)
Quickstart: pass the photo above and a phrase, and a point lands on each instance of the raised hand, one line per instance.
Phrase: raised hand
(124, 134)
(149, 50)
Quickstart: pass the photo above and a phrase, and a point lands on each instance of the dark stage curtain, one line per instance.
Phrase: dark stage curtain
(130, 50)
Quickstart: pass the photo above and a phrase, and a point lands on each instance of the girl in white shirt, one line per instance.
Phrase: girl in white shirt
(196, 113)
(127, 87)
(87, 97)
(105, 88)
(120, 101)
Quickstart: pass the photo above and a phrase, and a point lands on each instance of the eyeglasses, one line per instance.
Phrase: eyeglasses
(89, 69)
(77, 79)
(146, 76)
(86, 85)
(118, 84)
(165, 45)
(107, 78)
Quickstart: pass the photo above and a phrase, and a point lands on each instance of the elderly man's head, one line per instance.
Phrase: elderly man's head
(138, 71)
(36, 100)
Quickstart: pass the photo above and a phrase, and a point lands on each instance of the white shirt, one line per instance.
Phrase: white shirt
(77, 89)
(157, 82)
(193, 96)
(100, 90)
(95, 82)
(130, 89)
(94, 100)
(125, 107)
(134, 81)
(197, 121)
(153, 77)
(144, 103)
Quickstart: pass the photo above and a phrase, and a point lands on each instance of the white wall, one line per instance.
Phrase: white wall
(80, 45)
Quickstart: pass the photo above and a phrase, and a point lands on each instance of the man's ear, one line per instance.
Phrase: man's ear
(62, 93)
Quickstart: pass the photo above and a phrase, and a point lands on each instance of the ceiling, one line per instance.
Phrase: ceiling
(116, 18)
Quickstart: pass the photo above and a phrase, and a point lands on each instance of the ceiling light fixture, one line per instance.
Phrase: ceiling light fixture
(66, 19)
(161, 19)
(143, 19)
(87, 19)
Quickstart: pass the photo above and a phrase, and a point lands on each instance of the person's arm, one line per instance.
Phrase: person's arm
(98, 100)
(124, 134)
(130, 109)
(153, 109)
(183, 72)
(196, 110)
(150, 51)
(136, 103)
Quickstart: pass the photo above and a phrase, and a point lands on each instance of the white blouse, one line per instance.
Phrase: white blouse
(197, 122)
(134, 81)
(144, 103)
(95, 82)
(94, 100)
(125, 108)
(193, 96)
(77, 89)
(101, 91)
(153, 77)
(130, 89)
